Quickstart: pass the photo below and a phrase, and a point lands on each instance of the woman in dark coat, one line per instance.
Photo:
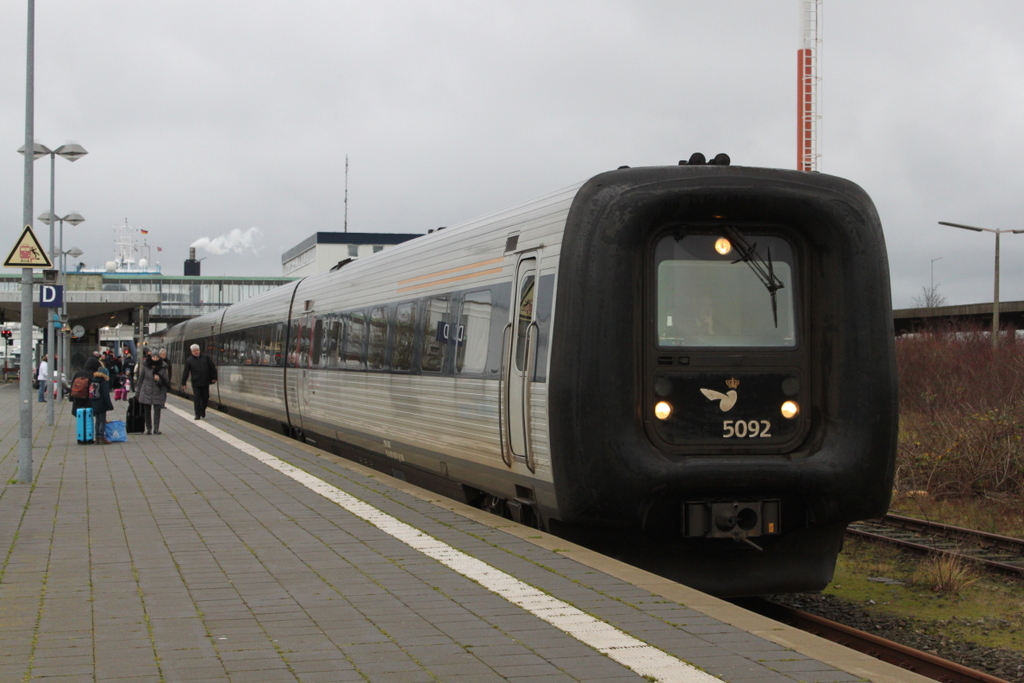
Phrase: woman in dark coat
(92, 364)
(152, 396)
(102, 403)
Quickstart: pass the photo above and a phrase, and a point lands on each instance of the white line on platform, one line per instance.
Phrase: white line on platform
(635, 654)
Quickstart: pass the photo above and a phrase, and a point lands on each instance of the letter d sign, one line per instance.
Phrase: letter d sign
(51, 296)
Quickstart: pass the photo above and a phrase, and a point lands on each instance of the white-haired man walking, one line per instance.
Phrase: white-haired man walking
(203, 372)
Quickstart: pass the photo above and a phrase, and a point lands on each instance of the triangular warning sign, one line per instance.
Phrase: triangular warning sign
(28, 253)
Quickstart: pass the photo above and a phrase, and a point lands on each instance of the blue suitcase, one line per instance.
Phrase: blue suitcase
(85, 424)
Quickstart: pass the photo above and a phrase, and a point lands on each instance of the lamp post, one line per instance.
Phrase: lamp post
(71, 152)
(73, 252)
(995, 295)
(74, 219)
(24, 384)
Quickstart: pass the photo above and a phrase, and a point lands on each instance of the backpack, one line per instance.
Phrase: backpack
(80, 387)
(94, 391)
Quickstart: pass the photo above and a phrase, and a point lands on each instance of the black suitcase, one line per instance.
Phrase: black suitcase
(134, 423)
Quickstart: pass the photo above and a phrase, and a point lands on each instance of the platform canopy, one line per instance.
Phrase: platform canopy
(90, 309)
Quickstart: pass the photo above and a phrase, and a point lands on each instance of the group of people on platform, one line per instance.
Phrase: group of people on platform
(150, 379)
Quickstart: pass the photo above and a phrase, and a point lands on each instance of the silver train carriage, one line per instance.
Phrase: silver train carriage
(695, 359)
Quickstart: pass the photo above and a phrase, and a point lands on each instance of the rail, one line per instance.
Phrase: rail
(908, 658)
(1001, 553)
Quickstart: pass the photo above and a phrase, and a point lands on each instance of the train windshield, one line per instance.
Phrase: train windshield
(726, 289)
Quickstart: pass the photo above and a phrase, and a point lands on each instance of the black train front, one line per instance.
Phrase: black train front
(725, 379)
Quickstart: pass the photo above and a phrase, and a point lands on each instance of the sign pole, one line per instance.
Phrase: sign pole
(51, 341)
(25, 384)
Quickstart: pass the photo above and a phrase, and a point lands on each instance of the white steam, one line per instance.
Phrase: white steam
(236, 241)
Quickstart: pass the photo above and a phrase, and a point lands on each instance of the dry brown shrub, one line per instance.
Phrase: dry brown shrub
(961, 413)
(946, 574)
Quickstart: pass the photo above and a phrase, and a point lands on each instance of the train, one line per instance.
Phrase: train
(694, 359)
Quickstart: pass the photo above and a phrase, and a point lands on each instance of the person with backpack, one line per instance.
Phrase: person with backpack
(80, 385)
(99, 399)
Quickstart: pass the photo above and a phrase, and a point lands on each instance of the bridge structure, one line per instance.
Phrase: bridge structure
(908, 320)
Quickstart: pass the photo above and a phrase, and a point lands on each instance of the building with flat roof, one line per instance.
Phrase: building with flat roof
(321, 251)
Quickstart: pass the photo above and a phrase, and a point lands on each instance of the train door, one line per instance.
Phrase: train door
(520, 358)
(303, 352)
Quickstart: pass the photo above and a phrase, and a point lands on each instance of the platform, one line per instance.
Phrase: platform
(218, 551)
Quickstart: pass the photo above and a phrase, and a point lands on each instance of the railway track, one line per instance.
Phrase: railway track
(889, 651)
(1001, 553)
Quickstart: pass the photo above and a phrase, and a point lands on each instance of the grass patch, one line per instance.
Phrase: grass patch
(988, 610)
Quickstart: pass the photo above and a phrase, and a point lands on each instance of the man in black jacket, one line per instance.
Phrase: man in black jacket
(203, 373)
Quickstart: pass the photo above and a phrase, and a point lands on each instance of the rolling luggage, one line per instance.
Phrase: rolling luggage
(84, 425)
(133, 420)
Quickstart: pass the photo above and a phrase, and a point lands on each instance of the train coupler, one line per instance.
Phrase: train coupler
(738, 520)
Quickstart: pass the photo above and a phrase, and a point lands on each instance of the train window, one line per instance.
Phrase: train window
(333, 330)
(404, 338)
(266, 356)
(355, 333)
(238, 350)
(472, 333)
(302, 338)
(245, 336)
(377, 339)
(437, 333)
(706, 295)
(255, 343)
(277, 350)
(526, 295)
(316, 356)
(226, 349)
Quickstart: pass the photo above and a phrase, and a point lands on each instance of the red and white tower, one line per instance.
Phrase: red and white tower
(807, 81)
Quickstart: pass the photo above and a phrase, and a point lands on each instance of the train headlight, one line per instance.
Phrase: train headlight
(723, 246)
(790, 409)
(662, 410)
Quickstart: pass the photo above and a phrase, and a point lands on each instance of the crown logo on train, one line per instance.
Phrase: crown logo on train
(732, 383)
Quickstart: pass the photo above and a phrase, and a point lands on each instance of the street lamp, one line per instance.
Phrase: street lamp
(931, 292)
(73, 252)
(74, 219)
(995, 296)
(71, 152)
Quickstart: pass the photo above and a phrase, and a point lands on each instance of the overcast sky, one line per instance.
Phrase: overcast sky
(207, 118)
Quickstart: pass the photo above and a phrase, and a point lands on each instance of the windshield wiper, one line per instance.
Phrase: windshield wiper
(762, 269)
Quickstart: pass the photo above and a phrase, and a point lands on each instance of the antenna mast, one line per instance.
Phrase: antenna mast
(808, 117)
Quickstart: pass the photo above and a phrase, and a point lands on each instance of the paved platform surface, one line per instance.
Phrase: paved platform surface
(221, 552)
